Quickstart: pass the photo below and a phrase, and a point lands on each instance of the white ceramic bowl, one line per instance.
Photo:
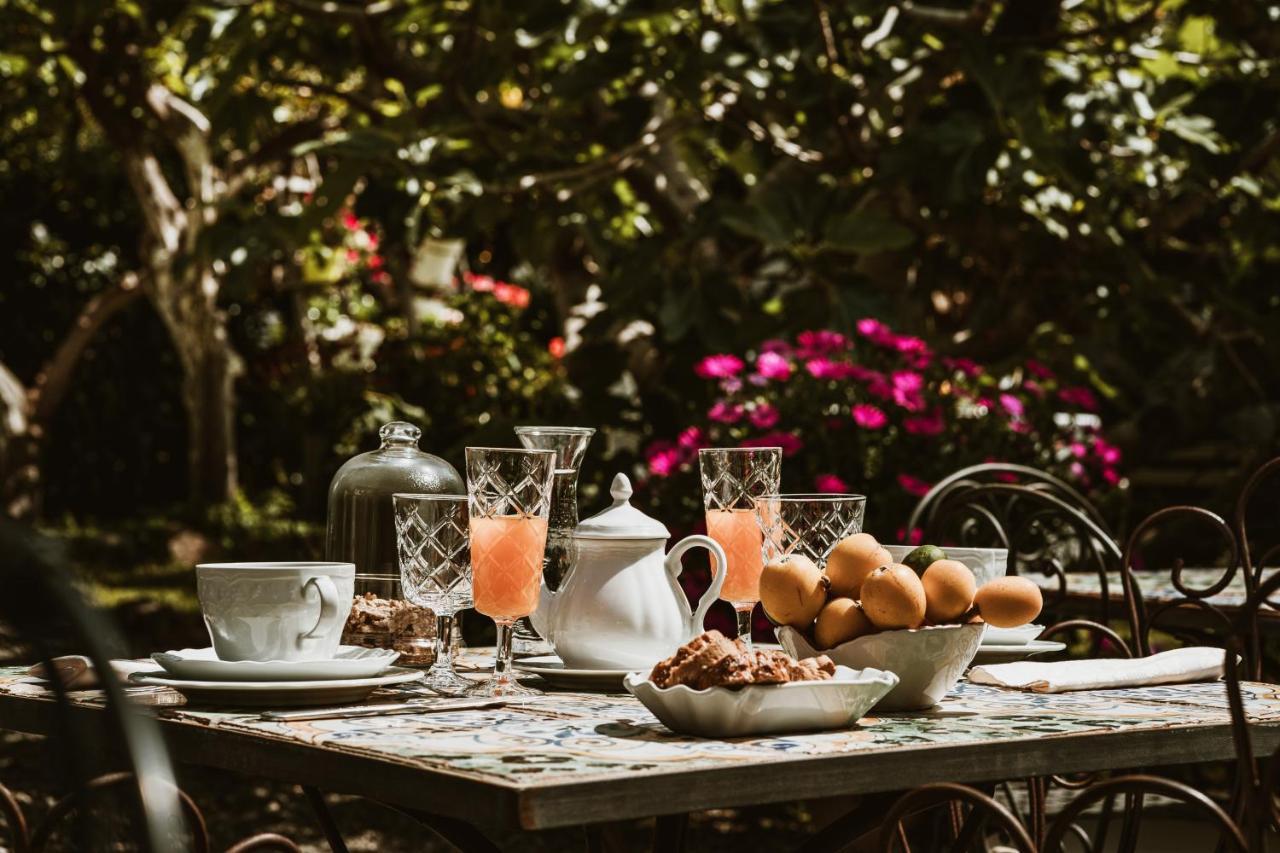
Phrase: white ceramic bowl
(927, 661)
(759, 709)
(985, 563)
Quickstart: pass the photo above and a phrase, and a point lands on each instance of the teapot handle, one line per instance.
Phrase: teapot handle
(719, 567)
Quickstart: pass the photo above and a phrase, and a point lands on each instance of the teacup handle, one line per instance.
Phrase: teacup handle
(328, 605)
(718, 570)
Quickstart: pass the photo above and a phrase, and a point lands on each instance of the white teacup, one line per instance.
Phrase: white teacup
(275, 611)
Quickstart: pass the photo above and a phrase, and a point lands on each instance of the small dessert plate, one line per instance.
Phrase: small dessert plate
(204, 665)
(277, 694)
(555, 673)
(761, 709)
(1008, 654)
(1018, 636)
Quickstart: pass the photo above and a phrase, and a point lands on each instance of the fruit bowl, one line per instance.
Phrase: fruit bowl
(759, 709)
(986, 563)
(927, 661)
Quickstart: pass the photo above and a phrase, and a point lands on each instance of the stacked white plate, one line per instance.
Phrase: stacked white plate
(350, 676)
(1006, 645)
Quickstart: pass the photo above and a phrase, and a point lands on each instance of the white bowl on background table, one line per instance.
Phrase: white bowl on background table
(927, 661)
(205, 665)
(987, 564)
(759, 709)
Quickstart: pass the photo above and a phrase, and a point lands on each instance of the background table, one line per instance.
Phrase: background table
(1085, 588)
(572, 758)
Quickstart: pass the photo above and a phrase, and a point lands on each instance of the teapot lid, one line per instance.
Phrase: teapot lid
(621, 520)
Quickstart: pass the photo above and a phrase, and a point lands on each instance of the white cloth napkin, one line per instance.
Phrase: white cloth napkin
(1194, 663)
(77, 671)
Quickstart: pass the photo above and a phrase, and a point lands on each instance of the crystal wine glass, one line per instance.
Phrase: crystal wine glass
(434, 543)
(570, 445)
(808, 524)
(509, 501)
(732, 479)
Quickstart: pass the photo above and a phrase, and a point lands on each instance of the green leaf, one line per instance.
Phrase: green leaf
(865, 232)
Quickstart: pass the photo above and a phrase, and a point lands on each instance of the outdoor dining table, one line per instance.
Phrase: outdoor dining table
(576, 758)
(1085, 589)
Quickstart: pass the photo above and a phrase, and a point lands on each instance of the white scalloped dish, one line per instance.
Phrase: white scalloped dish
(759, 709)
(928, 661)
(204, 665)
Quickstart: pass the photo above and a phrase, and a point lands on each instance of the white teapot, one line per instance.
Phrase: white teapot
(621, 606)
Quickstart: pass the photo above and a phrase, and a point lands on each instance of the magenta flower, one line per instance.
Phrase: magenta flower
(930, 424)
(777, 345)
(771, 365)
(731, 385)
(908, 387)
(663, 458)
(719, 366)
(692, 438)
(913, 485)
(830, 483)
(764, 416)
(820, 342)
(970, 368)
(790, 444)
(868, 416)
(907, 344)
(1111, 476)
(1077, 449)
(862, 374)
(1107, 452)
(1080, 397)
(725, 413)
(1038, 370)
(1033, 387)
(1011, 405)
(915, 537)
(875, 331)
(822, 367)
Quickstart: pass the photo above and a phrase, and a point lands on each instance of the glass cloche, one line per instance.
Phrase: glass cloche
(361, 527)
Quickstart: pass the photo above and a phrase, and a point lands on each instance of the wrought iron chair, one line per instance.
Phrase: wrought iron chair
(42, 603)
(1255, 568)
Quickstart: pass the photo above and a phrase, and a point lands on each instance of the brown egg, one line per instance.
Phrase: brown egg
(853, 558)
(1009, 602)
(893, 597)
(949, 588)
(792, 591)
(839, 622)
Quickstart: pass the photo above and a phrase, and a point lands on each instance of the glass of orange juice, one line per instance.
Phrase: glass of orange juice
(732, 479)
(509, 500)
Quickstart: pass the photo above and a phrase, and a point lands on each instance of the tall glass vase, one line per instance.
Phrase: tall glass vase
(570, 445)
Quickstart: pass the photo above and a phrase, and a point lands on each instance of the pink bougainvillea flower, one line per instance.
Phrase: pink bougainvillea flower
(875, 331)
(790, 444)
(725, 413)
(908, 387)
(764, 416)
(479, 283)
(822, 367)
(913, 485)
(915, 537)
(555, 346)
(1038, 370)
(863, 374)
(868, 416)
(692, 438)
(1107, 452)
(1080, 397)
(967, 366)
(830, 483)
(731, 385)
(511, 294)
(908, 344)
(1011, 405)
(777, 345)
(1077, 449)
(930, 424)
(663, 458)
(719, 366)
(772, 365)
(1033, 387)
(820, 342)
(349, 221)
(1111, 476)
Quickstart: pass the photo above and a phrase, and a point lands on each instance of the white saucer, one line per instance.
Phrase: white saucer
(204, 665)
(999, 653)
(553, 670)
(277, 694)
(1018, 636)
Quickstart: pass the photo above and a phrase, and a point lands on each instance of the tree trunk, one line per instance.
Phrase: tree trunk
(210, 367)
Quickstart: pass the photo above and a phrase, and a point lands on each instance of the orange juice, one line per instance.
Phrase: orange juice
(739, 535)
(506, 564)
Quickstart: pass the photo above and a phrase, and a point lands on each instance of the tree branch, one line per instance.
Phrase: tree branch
(51, 383)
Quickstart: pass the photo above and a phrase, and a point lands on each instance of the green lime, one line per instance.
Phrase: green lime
(922, 558)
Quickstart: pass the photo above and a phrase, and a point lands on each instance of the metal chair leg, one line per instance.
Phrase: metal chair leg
(325, 818)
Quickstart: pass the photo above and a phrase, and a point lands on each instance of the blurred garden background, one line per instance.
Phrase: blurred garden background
(239, 235)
